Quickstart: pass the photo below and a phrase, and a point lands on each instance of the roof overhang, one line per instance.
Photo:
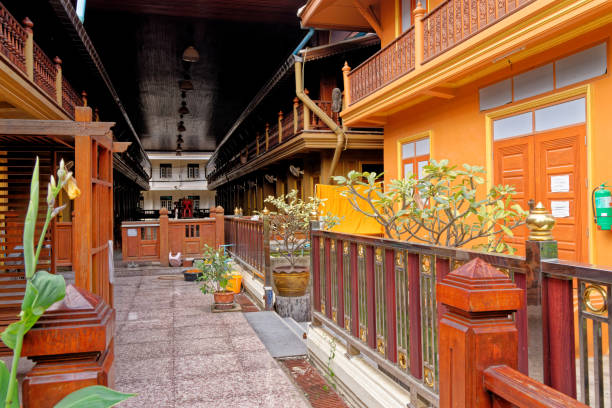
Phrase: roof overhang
(335, 15)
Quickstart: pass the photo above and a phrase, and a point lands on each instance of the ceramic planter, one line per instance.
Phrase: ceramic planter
(223, 299)
(291, 281)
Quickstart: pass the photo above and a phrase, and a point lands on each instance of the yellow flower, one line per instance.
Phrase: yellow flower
(71, 188)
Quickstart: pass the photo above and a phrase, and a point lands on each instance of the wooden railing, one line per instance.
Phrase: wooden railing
(443, 28)
(326, 106)
(379, 296)
(20, 50)
(245, 240)
(388, 64)
(154, 240)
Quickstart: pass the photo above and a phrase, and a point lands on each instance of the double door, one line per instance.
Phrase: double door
(549, 167)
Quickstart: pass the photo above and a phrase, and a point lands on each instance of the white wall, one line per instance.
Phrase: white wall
(152, 198)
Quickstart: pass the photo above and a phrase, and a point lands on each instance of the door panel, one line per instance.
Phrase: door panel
(531, 164)
(560, 154)
(512, 167)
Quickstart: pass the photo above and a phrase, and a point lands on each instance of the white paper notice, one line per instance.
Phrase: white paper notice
(132, 232)
(560, 209)
(559, 184)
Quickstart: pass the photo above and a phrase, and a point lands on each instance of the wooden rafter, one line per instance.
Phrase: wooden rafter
(369, 15)
(53, 127)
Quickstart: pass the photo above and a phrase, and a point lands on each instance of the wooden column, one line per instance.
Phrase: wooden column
(58, 80)
(29, 48)
(280, 127)
(346, 70)
(83, 155)
(163, 237)
(476, 331)
(219, 226)
(268, 294)
(419, 35)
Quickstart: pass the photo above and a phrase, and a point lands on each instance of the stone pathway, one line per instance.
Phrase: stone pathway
(173, 352)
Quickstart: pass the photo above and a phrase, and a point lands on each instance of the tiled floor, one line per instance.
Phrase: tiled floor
(318, 391)
(173, 352)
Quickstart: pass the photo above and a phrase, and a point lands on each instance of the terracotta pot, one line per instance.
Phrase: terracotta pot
(291, 281)
(224, 298)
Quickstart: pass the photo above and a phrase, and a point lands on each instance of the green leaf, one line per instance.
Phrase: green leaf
(9, 335)
(95, 396)
(4, 382)
(30, 224)
(51, 288)
(507, 230)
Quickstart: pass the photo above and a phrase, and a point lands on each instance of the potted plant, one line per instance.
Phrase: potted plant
(289, 230)
(216, 271)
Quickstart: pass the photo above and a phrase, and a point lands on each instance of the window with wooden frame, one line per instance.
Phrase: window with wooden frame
(414, 156)
(166, 202)
(407, 16)
(165, 170)
(193, 171)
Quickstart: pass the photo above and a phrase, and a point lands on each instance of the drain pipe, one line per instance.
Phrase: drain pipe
(299, 91)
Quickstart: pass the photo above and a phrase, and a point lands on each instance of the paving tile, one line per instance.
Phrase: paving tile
(140, 351)
(133, 370)
(156, 392)
(247, 343)
(256, 360)
(200, 319)
(202, 365)
(188, 346)
(142, 336)
(210, 388)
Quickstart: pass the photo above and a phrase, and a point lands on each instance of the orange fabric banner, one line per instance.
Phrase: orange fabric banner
(352, 222)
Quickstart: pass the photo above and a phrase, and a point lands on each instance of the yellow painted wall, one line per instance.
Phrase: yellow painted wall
(458, 128)
(387, 21)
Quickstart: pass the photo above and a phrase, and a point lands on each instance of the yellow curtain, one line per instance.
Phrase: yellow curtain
(352, 222)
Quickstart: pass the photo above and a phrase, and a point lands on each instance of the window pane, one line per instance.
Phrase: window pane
(408, 170)
(407, 150)
(513, 126)
(584, 65)
(406, 10)
(564, 114)
(422, 147)
(534, 82)
(421, 170)
(496, 95)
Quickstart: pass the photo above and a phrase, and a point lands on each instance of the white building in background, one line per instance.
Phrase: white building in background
(174, 177)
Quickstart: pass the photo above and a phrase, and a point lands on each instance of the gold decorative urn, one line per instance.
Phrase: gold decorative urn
(540, 224)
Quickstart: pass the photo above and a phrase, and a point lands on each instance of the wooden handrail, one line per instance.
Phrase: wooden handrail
(518, 389)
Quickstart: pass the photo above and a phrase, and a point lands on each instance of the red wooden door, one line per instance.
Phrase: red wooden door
(549, 167)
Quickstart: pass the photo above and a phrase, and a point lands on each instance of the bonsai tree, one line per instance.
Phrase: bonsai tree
(441, 208)
(216, 270)
(290, 222)
(43, 290)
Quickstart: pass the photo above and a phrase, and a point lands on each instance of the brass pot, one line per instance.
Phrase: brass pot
(224, 297)
(291, 281)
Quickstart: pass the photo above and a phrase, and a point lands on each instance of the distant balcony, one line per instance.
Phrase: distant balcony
(19, 50)
(449, 24)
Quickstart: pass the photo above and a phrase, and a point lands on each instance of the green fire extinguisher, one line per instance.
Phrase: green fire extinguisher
(602, 207)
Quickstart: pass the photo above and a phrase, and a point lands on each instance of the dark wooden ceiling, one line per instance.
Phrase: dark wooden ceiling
(237, 10)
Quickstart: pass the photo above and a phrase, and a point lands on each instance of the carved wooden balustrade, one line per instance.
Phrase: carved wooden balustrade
(245, 240)
(326, 106)
(388, 64)
(447, 25)
(379, 295)
(26, 57)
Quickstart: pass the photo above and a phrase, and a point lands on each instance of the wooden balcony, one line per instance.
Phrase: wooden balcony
(442, 29)
(19, 51)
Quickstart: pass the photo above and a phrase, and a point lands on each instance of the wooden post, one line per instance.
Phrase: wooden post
(163, 237)
(296, 104)
(269, 293)
(306, 113)
(58, 80)
(257, 142)
(280, 127)
(315, 273)
(219, 226)
(74, 246)
(267, 135)
(555, 297)
(419, 35)
(476, 331)
(346, 70)
(29, 48)
(83, 204)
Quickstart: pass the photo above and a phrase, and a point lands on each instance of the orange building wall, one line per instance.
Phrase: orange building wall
(387, 21)
(458, 128)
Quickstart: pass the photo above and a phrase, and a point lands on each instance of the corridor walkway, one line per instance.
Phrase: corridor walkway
(173, 352)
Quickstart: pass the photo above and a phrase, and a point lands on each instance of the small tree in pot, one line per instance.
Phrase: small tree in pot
(289, 227)
(216, 272)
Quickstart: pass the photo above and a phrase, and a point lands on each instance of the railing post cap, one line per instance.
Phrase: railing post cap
(27, 23)
(296, 101)
(266, 211)
(314, 216)
(479, 287)
(419, 10)
(219, 209)
(163, 211)
(84, 97)
(346, 67)
(306, 91)
(236, 211)
(57, 60)
(540, 224)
